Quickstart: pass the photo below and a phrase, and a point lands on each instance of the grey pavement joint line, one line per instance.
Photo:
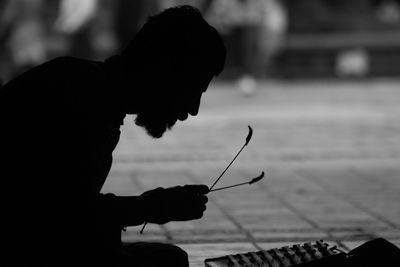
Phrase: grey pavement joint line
(347, 238)
(352, 202)
(294, 210)
(228, 215)
(134, 175)
(288, 206)
(365, 209)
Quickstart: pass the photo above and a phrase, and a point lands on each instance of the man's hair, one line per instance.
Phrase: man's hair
(179, 34)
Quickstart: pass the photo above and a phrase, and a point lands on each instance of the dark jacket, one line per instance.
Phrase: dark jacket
(59, 126)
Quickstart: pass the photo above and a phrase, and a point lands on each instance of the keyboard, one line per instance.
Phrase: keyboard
(311, 254)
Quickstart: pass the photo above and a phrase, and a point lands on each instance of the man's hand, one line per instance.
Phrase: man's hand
(179, 203)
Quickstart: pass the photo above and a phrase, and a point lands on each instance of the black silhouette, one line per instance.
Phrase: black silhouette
(59, 126)
(375, 252)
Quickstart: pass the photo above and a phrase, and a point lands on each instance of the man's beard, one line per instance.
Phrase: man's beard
(155, 125)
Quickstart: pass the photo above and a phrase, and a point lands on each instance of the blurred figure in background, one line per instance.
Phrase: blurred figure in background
(388, 11)
(74, 22)
(22, 34)
(275, 27)
(87, 24)
(75, 14)
(104, 37)
(260, 25)
(95, 29)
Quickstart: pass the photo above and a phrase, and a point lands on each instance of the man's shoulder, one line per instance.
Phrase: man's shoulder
(72, 63)
(70, 72)
(56, 69)
(59, 78)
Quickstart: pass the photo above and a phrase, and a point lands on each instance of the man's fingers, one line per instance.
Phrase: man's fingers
(203, 199)
(203, 208)
(197, 188)
(195, 207)
(198, 216)
(196, 201)
(197, 213)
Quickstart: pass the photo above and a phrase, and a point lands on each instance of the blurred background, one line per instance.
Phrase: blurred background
(265, 38)
(316, 79)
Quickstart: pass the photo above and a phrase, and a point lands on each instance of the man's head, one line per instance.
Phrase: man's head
(171, 62)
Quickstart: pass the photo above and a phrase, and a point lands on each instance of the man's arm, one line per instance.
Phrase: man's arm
(120, 211)
(160, 205)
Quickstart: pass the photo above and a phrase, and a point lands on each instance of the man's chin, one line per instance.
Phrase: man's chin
(154, 129)
(155, 133)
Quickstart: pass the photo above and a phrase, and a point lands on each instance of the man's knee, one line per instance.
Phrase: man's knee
(178, 257)
(157, 254)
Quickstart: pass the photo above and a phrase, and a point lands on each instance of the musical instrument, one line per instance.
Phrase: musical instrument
(317, 254)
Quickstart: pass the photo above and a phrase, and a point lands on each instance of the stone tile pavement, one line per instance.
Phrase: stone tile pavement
(330, 151)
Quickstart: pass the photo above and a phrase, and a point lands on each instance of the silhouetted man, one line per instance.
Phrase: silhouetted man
(59, 125)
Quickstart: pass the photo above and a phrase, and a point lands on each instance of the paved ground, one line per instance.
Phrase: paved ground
(330, 151)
